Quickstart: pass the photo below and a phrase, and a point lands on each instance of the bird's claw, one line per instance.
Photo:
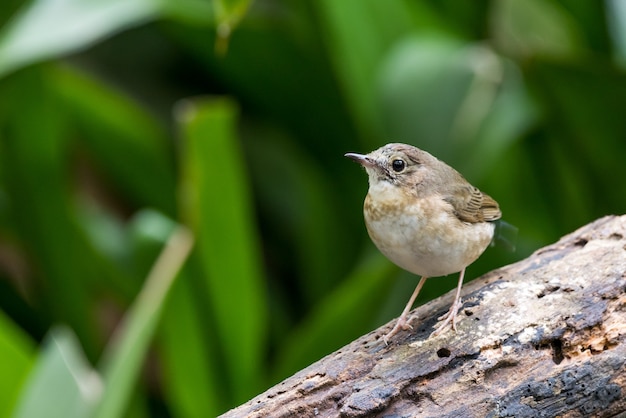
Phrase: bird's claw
(450, 319)
(400, 324)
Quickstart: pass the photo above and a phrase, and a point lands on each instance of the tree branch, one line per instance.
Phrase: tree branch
(541, 337)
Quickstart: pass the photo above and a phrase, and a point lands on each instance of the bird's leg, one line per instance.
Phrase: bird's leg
(450, 317)
(401, 322)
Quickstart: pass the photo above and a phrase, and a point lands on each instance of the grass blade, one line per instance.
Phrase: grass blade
(216, 203)
(123, 358)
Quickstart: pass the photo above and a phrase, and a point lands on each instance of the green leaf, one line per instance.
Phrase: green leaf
(46, 29)
(509, 114)
(148, 230)
(62, 383)
(332, 323)
(535, 28)
(454, 99)
(193, 377)
(127, 142)
(35, 159)
(423, 84)
(616, 19)
(228, 14)
(17, 354)
(109, 236)
(190, 12)
(303, 210)
(123, 357)
(216, 203)
(358, 32)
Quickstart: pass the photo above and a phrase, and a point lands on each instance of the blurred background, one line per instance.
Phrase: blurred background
(122, 120)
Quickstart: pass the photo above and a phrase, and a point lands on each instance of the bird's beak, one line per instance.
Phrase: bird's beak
(364, 160)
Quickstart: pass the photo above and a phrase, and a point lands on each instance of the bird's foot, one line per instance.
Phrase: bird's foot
(449, 319)
(401, 323)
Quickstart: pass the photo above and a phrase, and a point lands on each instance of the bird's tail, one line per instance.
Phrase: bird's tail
(505, 236)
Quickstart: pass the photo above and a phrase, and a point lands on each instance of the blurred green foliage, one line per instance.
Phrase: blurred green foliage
(120, 120)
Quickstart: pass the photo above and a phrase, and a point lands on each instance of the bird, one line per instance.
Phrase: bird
(426, 218)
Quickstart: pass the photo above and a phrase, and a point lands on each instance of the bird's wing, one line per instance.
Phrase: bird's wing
(472, 205)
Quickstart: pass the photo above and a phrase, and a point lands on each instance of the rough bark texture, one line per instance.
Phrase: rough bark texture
(544, 337)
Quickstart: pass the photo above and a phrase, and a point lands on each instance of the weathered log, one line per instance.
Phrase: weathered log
(543, 337)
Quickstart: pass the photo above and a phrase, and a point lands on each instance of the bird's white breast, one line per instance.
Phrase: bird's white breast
(422, 235)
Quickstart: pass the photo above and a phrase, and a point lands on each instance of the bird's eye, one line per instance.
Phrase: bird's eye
(398, 165)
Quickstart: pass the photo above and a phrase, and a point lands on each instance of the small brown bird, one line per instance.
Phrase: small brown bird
(425, 217)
